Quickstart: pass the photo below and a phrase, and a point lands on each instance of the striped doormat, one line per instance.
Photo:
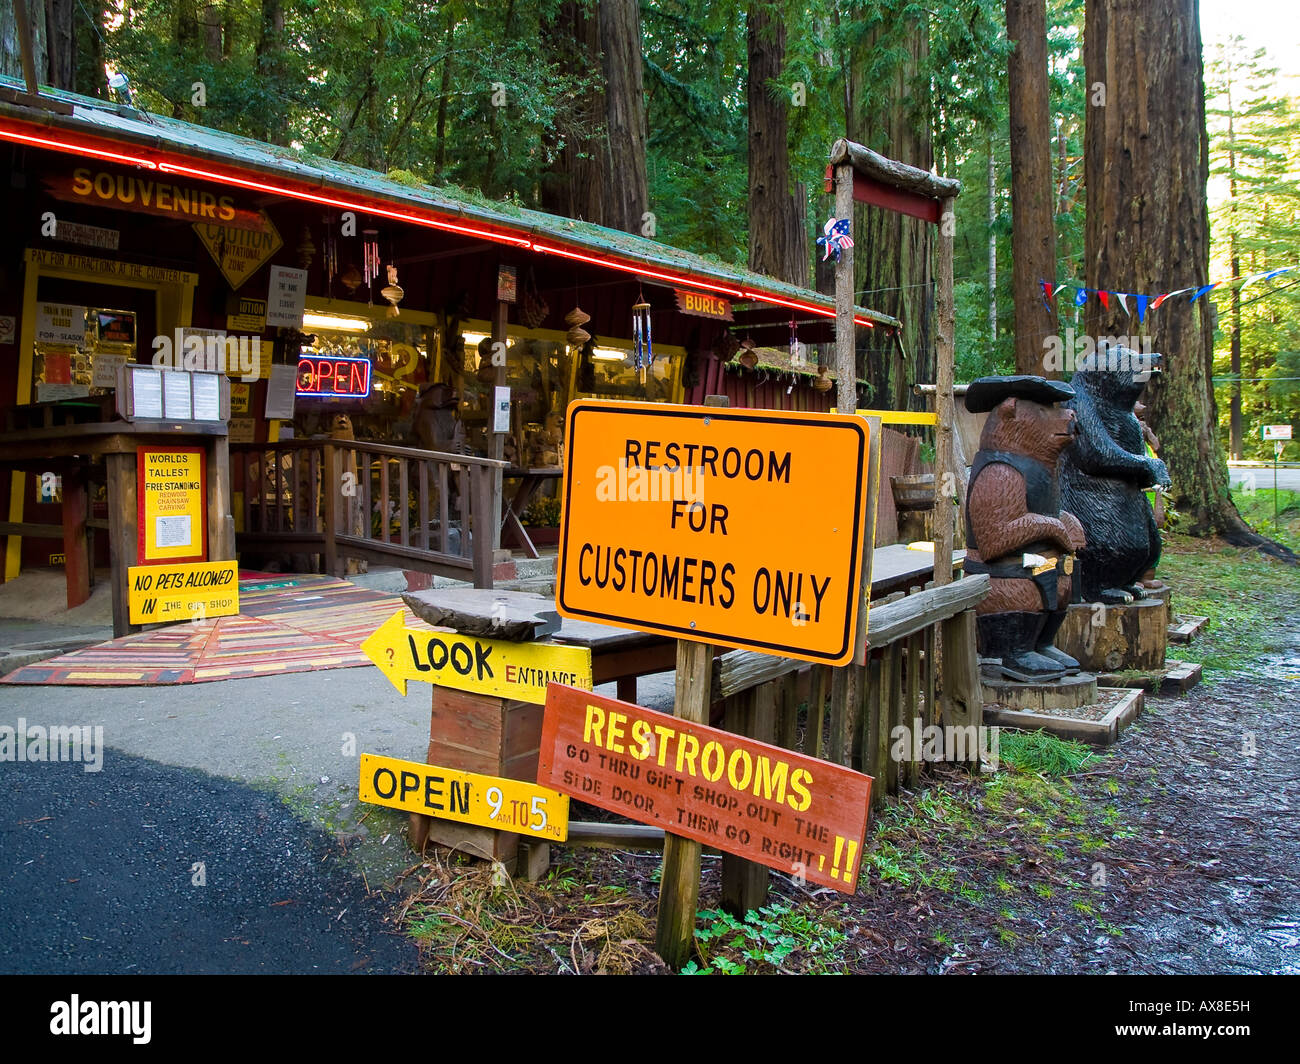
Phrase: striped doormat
(287, 623)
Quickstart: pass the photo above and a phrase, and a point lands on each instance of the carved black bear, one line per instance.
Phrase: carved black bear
(1104, 471)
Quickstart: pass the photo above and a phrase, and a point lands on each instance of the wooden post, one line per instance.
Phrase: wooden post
(332, 490)
(76, 557)
(497, 440)
(679, 885)
(963, 699)
(122, 545)
(913, 708)
(846, 368)
(945, 472)
(752, 713)
(487, 507)
(221, 524)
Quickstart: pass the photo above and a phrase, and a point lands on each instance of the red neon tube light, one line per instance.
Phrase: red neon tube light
(73, 146)
(85, 149)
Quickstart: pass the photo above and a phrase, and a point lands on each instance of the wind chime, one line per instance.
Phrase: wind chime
(370, 259)
(392, 292)
(642, 349)
(331, 255)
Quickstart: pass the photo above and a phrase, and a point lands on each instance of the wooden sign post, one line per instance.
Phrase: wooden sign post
(696, 522)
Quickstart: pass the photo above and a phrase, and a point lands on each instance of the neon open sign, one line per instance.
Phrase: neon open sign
(325, 376)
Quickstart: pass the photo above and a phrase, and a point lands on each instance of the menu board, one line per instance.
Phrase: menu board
(147, 393)
(207, 397)
(176, 395)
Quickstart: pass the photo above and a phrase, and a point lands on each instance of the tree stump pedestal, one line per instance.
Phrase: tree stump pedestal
(1117, 638)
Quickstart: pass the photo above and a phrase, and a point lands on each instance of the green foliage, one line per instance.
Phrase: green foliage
(1257, 507)
(543, 512)
(775, 938)
(1042, 753)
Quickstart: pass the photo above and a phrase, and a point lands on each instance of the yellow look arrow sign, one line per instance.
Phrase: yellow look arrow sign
(471, 663)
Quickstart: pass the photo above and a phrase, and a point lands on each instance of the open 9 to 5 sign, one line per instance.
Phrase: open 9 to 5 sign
(737, 527)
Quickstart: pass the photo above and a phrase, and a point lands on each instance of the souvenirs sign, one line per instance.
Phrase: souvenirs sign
(139, 191)
(172, 521)
(779, 808)
(738, 527)
(466, 797)
(471, 663)
(166, 593)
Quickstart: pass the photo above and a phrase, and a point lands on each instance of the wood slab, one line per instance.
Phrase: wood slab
(1069, 692)
(513, 615)
(1174, 679)
(1098, 732)
(1185, 627)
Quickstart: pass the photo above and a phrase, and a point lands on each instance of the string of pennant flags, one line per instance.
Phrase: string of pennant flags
(1142, 302)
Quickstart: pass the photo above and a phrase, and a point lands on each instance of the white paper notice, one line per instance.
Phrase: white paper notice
(281, 391)
(146, 393)
(59, 324)
(207, 397)
(501, 410)
(176, 395)
(287, 297)
(103, 371)
(173, 531)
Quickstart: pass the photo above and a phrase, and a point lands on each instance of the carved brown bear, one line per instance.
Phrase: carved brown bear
(1017, 532)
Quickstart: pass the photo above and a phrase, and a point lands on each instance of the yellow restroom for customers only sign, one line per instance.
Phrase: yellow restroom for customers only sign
(738, 527)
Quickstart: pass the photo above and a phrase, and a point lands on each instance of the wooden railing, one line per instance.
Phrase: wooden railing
(429, 511)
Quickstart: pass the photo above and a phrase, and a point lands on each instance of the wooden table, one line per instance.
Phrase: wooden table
(529, 481)
(66, 448)
(895, 568)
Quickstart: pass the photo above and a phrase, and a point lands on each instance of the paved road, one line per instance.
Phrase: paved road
(1287, 479)
(256, 778)
(98, 875)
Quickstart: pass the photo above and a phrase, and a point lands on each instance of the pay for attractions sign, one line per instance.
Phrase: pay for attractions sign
(744, 528)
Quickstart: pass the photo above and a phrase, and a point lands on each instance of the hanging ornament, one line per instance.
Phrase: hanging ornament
(370, 255)
(306, 249)
(747, 357)
(577, 336)
(642, 351)
(351, 278)
(532, 307)
(392, 292)
(727, 347)
(835, 236)
(822, 382)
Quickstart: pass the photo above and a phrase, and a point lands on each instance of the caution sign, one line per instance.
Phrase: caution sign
(739, 527)
(172, 504)
(797, 814)
(163, 593)
(471, 663)
(239, 253)
(466, 797)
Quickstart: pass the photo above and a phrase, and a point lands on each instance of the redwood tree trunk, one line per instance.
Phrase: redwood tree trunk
(891, 259)
(1033, 233)
(61, 29)
(627, 194)
(574, 185)
(778, 240)
(1146, 168)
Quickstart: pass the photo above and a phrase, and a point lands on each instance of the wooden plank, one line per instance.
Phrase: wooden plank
(912, 713)
(221, 522)
(945, 473)
(963, 700)
(1186, 628)
(34, 529)
(383, 500)
(444, 509)
(869, 751)
(422, 486)
(331, 488)
(817, 711)
(882, 759)
(900, 618)
(123, 544)
(679, 884)
(893, 718)
(744, 883)
(403, 500)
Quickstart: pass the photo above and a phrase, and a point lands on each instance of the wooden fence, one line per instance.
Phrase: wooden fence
(423, 510)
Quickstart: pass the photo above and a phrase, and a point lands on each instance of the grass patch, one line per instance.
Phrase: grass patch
(1257, 507)
(1249, 599)
(1042, 753)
